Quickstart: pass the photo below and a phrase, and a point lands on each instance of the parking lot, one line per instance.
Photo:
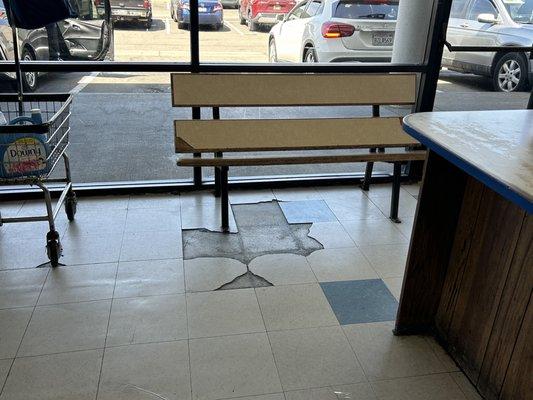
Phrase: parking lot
(122, 122)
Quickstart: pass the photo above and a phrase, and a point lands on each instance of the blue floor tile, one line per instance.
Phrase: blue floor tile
(307, 211)
(356, 302)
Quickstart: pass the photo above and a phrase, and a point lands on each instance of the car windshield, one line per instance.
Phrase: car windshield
(367, 9)
(520, 10)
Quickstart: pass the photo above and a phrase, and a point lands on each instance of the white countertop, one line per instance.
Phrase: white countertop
(495, 147)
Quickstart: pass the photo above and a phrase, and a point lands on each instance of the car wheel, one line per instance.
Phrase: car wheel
(241, 18)
(272, 53)
(310, 56)
(29, 79)
(510, 73)
(148, 24)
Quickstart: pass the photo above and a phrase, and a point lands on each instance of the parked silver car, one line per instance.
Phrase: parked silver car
(492, 23)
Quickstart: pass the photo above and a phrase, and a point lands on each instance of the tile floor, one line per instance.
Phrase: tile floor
(128, 317)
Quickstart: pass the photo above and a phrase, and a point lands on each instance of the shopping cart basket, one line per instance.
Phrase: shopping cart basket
(30, 153)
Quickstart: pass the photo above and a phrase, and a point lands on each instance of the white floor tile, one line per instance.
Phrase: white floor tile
(12, 327)
(198, 198)
(250, 196)
(295, 306)
(347, 193)
(91, 249)
(388, 260)
(308, 358)
(97, 222)
(283, 269)
(95, 203)
(442, 355)
(10, 208)
(66, 327)
(205, 217)
(224, 312)
(155, 245)
(358, 209)
(406, 208)
(385, 356)
(466, 387)
(140, 220)
(406, 226)
(147, 320)
(5, 365)
(412, 189)
(380, 190)
(162, 201)
(331, 235)
(434, 387)
(21, 288)
(52, 377)
(374, 231)
(148, 278)
(233, 366)
(33, 230)
(395, 286)
(79, 283)
(11, 248)
(296, 194)
(275, 396)
(204, 274)
(358, 391)
(146, 371)
(345, 264)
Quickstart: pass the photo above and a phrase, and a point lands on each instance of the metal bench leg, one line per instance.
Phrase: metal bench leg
(368, 175)
(224, 198)
(217, 177)
(395, 197)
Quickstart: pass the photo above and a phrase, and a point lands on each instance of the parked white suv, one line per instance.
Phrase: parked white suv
(492, 23)
(335, 30)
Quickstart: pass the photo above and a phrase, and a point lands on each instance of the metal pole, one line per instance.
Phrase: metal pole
(20, 87)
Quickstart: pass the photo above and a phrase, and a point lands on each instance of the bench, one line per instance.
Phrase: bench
(382, 136)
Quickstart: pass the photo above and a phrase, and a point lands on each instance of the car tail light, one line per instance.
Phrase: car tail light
(97, 3)
(217, 7)
(147, 4)
(334, 30)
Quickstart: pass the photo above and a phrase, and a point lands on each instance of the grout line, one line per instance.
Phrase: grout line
(24, 334)
(269, 341)
(111, 308)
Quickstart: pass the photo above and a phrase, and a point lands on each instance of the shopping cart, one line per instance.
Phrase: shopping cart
(20, 166)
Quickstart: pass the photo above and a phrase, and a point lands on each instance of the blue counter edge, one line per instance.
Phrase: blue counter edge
(472, 170)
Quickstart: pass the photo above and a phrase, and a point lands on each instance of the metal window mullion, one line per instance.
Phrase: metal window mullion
(194, 33)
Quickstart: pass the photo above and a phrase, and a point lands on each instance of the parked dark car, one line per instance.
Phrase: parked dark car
(88, 37)
(138, 11)
(210, 13)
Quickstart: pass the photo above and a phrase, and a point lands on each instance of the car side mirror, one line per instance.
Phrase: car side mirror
(280, 17)
(487, 19)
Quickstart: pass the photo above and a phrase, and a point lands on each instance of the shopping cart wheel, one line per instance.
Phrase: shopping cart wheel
(53, 248)
(71, 205)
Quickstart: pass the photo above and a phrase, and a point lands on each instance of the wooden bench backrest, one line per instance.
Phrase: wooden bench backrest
(233, 90)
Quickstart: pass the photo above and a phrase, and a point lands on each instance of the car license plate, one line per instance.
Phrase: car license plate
(202, 9)
(382, 39)
(277, 8)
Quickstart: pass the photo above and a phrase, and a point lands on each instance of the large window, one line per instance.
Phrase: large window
(122, 117)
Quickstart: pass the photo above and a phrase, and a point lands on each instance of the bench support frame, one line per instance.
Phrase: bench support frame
(222, 191)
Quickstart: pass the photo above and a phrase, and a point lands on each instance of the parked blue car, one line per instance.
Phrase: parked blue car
(210, 13)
